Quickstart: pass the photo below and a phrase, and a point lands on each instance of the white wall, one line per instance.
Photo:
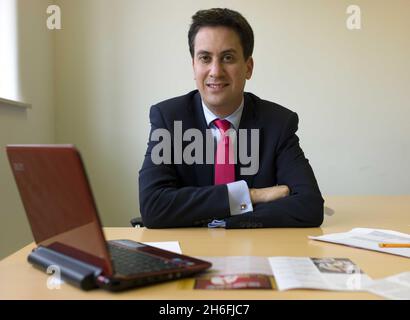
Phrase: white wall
(35, 50)
(115, 59)
(351, 89)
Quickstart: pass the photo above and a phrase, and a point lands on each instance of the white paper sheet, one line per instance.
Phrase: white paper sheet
(395, 287)
(166, 245)
(239, 265)
(317, 273)
(369, 239)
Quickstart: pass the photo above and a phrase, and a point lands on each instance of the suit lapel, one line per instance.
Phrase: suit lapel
(204, 172)
(248, 121)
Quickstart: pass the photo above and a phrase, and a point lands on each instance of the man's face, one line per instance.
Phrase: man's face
(220, 68)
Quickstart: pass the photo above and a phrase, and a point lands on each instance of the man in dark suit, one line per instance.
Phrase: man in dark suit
(282, 192)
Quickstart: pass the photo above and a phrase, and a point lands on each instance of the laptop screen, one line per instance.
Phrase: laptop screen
(58, 201)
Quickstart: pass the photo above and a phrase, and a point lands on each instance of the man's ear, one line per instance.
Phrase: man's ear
(249, 68)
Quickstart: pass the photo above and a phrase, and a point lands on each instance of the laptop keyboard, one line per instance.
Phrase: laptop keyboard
(128, 262)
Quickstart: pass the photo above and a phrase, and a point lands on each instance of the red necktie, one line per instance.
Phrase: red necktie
(224, 171)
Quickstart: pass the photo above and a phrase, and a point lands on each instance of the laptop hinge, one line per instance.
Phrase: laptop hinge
(71, 270)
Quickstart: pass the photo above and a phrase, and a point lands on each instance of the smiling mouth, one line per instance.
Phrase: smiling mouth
(216, 86)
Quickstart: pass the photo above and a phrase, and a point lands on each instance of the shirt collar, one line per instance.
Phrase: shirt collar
(234, 118)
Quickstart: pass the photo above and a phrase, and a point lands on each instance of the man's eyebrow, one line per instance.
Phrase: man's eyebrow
(223, 52)
(202, 52)
(229, 51)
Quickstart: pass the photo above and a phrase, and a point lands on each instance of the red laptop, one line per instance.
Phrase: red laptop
(63, 216)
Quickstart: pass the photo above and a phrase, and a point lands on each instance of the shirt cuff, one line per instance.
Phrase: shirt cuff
(217, 224)
(239, 197)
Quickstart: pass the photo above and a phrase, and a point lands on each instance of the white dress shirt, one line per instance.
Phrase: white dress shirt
(238, 191)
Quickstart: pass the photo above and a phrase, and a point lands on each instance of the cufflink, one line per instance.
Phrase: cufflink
(243, 206)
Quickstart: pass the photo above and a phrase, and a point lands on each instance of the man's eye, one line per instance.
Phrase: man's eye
(228, 58)
(204, 59)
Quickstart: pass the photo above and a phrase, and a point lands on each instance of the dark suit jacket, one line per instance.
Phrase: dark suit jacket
(181, 195)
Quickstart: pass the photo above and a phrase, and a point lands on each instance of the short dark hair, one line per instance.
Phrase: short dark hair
(216, 17)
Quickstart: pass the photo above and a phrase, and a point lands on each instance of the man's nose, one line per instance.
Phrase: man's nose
(216, 69)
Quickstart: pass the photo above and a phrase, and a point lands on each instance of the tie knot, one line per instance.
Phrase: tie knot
(222, 125)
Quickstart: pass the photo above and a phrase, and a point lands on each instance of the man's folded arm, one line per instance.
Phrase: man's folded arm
(292, 211)
(304, 205)
(165, 205)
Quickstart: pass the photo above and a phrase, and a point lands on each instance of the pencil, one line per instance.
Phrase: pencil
(394, 245)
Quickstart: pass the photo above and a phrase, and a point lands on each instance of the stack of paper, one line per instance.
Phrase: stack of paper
(369, 239)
